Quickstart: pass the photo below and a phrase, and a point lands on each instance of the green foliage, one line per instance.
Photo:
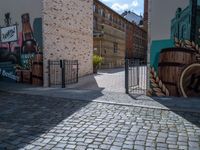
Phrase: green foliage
(97, 60)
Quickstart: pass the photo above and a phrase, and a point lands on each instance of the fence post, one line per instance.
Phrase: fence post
(49, 73)
(126, 75)
(62, 66)
(77, 72)
(138, 72)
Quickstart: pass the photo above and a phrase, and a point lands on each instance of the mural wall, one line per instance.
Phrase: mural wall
(21, 40)
(175, 48)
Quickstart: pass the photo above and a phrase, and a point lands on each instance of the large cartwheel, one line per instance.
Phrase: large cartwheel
(189, 82)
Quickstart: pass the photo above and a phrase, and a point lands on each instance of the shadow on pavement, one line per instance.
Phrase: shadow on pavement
(23, 118)
(188, 109)
(111, 71)
(87, 82)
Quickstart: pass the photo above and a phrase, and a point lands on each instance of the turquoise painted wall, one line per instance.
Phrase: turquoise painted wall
(198, 26)
(156, 47)
(198, 2)
(37, 29)
(181, 24)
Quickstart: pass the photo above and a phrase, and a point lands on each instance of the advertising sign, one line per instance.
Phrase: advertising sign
(9, 34)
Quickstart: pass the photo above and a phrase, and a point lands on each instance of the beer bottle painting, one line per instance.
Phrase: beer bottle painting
(29, 46)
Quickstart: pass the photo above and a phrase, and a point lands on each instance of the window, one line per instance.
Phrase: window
(114, 20)
(111, 18)
(101, 12)
(120, 22)
(95, 23)
(184, 30)
(108, 16)
(115, 45)
(94, 8)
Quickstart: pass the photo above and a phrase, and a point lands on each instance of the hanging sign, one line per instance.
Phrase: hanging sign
(9, 34)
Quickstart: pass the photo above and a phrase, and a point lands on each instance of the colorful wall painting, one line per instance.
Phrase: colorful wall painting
(174, 50)
(18, 56)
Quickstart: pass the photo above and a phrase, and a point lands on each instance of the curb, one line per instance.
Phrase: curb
(112, 103)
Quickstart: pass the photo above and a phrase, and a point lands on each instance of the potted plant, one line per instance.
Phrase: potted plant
(97, 60)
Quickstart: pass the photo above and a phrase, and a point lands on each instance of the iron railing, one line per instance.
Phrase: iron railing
(135, 77)
(63, 72)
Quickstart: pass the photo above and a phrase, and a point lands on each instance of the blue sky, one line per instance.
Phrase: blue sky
(122, 5)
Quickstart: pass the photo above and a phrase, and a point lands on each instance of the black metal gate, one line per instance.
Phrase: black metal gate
(63, 72)
(135, 77)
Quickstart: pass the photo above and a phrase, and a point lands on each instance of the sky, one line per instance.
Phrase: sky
(121, 5)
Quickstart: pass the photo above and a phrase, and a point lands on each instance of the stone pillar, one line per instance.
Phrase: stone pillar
(68, 33)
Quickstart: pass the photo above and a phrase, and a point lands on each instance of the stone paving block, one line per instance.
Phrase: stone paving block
(70, 146)
(66, 124)
(115, 148)
(128, 146)
(139, 147)
(80, 148)
(93, 146)
(105, 146)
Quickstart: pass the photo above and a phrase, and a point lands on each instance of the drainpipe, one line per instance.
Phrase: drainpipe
(100, 48)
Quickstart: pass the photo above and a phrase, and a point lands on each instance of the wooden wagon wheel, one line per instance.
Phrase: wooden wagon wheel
(189, 83)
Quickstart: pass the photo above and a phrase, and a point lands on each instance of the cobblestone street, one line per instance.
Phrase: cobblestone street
(109, 80)
(35, 122)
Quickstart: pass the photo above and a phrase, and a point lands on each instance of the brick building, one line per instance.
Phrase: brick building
(109, 35)
(116, 38)
(146, 15)
(136, 42)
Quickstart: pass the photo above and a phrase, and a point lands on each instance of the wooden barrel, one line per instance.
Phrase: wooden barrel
(37, 70)
(19, 76)
(26, 76)
(4, 52)
(171, 63)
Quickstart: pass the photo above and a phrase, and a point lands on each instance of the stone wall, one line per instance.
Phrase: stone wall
(68, 33)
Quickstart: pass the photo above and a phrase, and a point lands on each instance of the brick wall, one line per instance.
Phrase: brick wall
(68, 33)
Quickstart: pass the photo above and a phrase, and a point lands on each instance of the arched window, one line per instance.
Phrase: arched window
(183, 32)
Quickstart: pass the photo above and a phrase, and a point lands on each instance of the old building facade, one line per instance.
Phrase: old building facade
(115, 37)
(146, 15)
(136, 42)
(109, 35)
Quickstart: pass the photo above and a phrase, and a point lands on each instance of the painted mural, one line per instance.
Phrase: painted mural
(21, 50)
(175, 55)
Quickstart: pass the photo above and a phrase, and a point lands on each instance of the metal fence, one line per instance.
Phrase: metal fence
(135, 77)
(63, 72)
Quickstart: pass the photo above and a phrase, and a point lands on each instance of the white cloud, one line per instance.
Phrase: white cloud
(123, 5)
(135, 3)
(107, 0)
(120, 7)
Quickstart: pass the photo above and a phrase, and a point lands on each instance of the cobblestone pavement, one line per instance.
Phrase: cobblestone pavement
(192, 104)
(109, 80)
(35, 122)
